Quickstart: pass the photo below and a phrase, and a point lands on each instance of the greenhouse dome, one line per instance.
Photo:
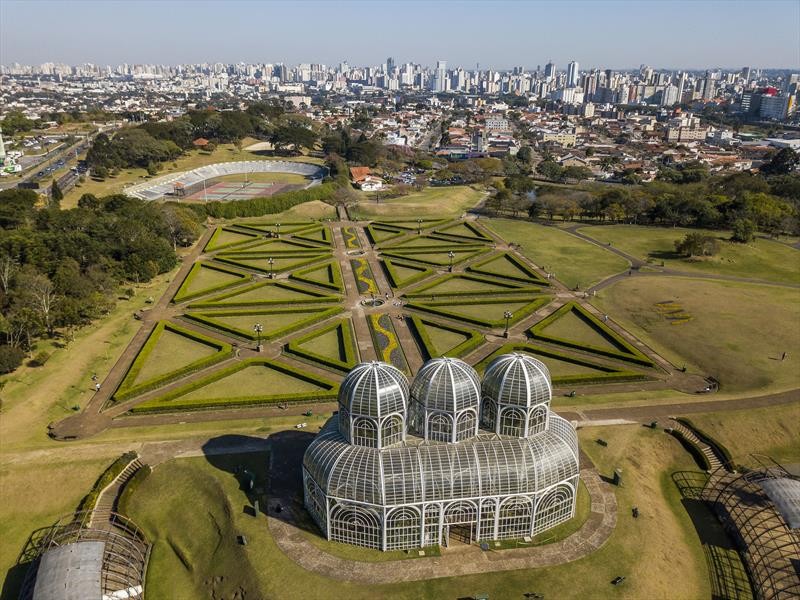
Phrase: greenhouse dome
(373, 399)
(420, 491)
(445, 399)
(516, 395)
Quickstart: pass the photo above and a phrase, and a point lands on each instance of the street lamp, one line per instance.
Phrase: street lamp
(507, 316)
(419, 226)
(270, 262)
(451, 255)
(277, 230)
(258, 328)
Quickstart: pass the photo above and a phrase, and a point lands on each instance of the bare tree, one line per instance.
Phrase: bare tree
(8, 266)
(43, 298)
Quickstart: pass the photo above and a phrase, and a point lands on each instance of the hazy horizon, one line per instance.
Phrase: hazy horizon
(500, 35)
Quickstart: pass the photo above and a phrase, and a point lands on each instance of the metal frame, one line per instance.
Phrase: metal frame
(429, 485)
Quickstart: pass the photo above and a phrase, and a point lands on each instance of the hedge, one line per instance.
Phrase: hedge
(208, 320)
(626, 351)
(525, 311)
(211, 247)
(510, 288)
(371, 230)
(287, 227)
(89, 501)
(394, 277)
(130, 488)
(533, 276)
(256, 207)
(716, 445)
(327, 239)
(474, 229)
(181, 295)
(165, 403)
(216, 301)
(309, 259)
(263, 248)
(413, 255)
(350, 350)
(334, 271)
(125, 391)
(427, 347)
(608, 374)
(433, 246)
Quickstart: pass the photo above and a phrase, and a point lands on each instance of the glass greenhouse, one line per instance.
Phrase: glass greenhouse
(448, 458)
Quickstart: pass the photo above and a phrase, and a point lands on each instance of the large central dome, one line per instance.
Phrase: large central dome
(447, 384)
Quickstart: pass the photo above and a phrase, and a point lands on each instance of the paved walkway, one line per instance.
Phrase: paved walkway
(461, 561)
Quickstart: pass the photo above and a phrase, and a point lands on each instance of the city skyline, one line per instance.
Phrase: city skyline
(525, 34)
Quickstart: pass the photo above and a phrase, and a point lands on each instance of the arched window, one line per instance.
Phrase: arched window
(488, 413)
(488, 509)
(440, 428)
(402, 529)
(537, 420)
(392, 430)
(365, 433)
(416, 418)
(432, 513)
(314, 499)
(555, 507)
(515, 518)
(512, 422)
(465, 426)
(344, 422)
(460, 512)
(355, 525)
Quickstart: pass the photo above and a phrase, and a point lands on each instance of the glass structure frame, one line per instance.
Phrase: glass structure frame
(435, 483)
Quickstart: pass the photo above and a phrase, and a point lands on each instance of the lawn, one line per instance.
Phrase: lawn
(571, 327)
(659, 553)
(737, 332)
(432, 201)
(574, 261)
(762, 259)
(771, 431)
(191, 160)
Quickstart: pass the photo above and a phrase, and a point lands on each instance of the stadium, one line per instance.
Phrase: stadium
(450, 459)
(194, 184)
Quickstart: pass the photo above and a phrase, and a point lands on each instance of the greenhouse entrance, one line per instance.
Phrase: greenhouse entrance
(457, 534)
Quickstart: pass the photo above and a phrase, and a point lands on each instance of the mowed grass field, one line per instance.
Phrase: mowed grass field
(761, 259)
(432, 201)
(574, 261)
(737, 332)
(190, 160)
(192, 547)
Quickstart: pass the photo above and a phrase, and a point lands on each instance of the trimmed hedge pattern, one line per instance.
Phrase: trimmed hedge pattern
(315, 297)
(473, 228)
(533, 276)
(374, 232)
(625, 350)
(395, 280)
(212, 245)
(269, 226)
(207, 319)
(127, 389)
(386, 342)
(607, 374)
(438, 308)
(256, 207)
(182, 295)
(420, 256)
(167, 403)
(350, 350)
(436, 243)
(89, 501)
(334, 275)
(427, 346)
(510, 288)
(306, 260)
(326, 239)
(263, 248)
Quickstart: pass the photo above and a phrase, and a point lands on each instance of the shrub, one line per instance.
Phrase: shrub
(40, 359)
(697, 244)
(744, 230)
(10, 358)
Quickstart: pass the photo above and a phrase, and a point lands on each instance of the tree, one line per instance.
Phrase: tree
(8, 266)
(697, 244)
(56, 195)
(10, 358)
(576, 173)
(89, 202)
(182, 225)
(100, 172)
(550, 169)
(784, 162)
(293, 135)
(525, 154)
(744, 231)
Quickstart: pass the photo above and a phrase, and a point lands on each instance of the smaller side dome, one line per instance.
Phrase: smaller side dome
(445, 400)
(516, 395)
(373, 398)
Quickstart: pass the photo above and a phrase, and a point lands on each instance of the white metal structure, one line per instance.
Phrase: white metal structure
(396, 469)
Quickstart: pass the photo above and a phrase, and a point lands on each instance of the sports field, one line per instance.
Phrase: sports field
(239, 190)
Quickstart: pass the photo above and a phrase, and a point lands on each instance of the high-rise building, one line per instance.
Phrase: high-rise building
(549, 71)
(572, 74)
(390, 65)
(439, 82)
(746, 74)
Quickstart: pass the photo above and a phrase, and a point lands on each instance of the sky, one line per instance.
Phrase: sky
(663, 34)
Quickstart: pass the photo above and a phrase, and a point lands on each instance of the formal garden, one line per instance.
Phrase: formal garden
(273, 313)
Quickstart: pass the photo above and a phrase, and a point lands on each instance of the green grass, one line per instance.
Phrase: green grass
(762, 259)
(571, 327)
(266, 293)
(432, 201)
(171, 352)
(204, 278)
(737, 332)
(574, 261)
